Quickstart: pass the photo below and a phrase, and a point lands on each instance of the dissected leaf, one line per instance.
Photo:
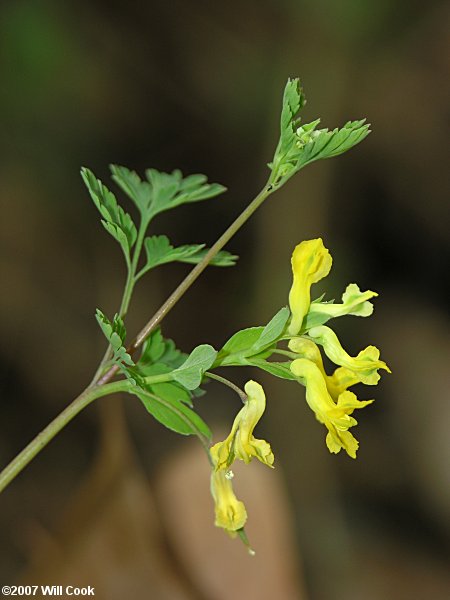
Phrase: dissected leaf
(159, 251)
(115, 333)
(293, 101)
(285, 154)
(299, 146)
(221, 259)
(172, 356)
(158, 350)
(153, 347)
(171, 189)
(115, 220)
(140, 192)
(326, 144)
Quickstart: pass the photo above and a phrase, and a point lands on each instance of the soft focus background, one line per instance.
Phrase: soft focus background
(117, 501)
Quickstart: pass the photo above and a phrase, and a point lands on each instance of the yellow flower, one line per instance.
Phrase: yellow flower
(240, 443)
(364, 366)
(341, 379)
(229, 511)
(354, 302)
(311, 262)
(337, 383)
(334, 415)
(306, 348)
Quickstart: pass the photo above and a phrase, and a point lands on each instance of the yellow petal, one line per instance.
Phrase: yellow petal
(348, 401)
(222, 453)
(311, 262)
(229, 511)
(338, 382)
(241, 443)
(334, 415)
(365, 366)
(354, 302)
(317, 395)
(306, 348)
(341, 379)
(336, 440)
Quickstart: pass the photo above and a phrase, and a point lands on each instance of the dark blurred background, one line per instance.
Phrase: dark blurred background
(119, 502)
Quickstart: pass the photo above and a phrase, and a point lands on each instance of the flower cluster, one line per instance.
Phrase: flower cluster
(328, 395)
(240, 444)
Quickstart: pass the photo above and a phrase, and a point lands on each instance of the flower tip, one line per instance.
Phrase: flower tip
(241, 533)
(253, 388)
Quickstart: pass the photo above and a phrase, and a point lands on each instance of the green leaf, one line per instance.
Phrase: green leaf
(272, 331)
(293, 101)
(173, 414)
(284, 157)
(314, 319)
(253, 340)
(158, 368)
(172, 356)
(299, 146)
(241, 342)
(159, 251)
(115, 333)
(140, 192)
(169, 389)
(133, 375)
(157, 350)
(115, 220)
(190, 373)
(326, 144)
(153, 347)
(171, 189)
(172, 391)
(221, 259)
(279, 369)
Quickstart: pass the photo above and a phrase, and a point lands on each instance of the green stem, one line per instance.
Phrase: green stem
(201, 266)
(127, 292)
(193, 275)
(242, 395)
(46, 435)
(287, 353)
(163, 378)
(131, 279)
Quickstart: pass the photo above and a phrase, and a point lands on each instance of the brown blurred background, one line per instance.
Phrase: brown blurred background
(117, 501)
